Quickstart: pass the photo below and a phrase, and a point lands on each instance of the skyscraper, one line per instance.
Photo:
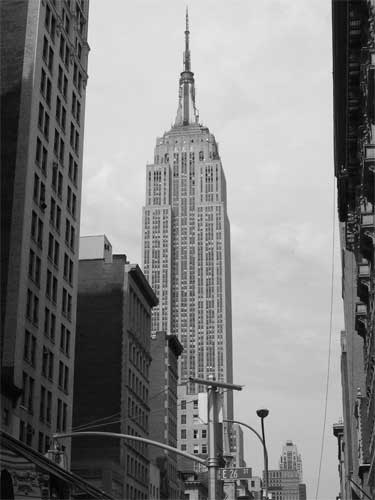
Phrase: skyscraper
(186, 241)
(290, 458)
(286, 483)
(44, 54)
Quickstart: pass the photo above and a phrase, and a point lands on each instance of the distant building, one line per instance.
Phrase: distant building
(112, 360)
(283, 484)
(354, 167)
(236, 445)
(290, 459)
(274, 484)
(254, 485)
(290, 483)
(286, 482)
(338, 431)
(302, 491)
(154, 483)
(165, 350)
(44, 54)
(196, 486)
(95, 247)
(192, 429)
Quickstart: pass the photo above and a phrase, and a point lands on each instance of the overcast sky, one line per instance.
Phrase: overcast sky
(263, 72)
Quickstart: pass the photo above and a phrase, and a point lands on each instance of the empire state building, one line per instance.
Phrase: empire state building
(186, 241)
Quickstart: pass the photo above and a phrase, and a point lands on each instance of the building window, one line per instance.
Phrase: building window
(22, 434)
(43, 121)
(63, 377)
(42, 406)
(73, 169)
(65, 340)
(49, 407)
(59, 416)
(29, 348)
(37, 229)
(27, 398)
(183, 404)
(183, 433)
(47, 363)
(183, 419)
(41, 442)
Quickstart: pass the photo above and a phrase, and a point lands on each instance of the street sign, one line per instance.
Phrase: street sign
(235, 474)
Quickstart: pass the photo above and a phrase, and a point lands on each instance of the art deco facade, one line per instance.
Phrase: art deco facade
(286, 482)
(290, 459)
(354, 148)
(186, 242)
(43, 79)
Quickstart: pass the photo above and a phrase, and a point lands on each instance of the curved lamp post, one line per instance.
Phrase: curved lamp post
(262, 414)
(261, 439)
(134, 438)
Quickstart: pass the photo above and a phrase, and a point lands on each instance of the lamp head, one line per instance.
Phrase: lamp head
(262, 413)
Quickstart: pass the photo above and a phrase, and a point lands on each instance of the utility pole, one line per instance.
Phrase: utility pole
(213, 420)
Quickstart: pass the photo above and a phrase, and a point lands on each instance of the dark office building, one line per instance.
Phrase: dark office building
(354, 157)
(111, 384)
(165, 350)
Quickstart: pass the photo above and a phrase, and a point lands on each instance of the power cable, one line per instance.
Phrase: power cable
(100, 422)
(88, 424)
(329, 343)
(80, 427)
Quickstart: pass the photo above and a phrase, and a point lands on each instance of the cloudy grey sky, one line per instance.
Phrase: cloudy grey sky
(264, 87)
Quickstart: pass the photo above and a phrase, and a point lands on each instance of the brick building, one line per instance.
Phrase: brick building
(44, 54)
(111, 385)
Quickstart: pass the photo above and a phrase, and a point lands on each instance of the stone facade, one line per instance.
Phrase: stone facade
(44, 54)
(354, 151)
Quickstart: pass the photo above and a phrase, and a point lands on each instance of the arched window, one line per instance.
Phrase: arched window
(6, 485)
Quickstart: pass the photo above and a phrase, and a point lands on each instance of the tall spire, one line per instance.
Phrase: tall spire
(187, 50)
(187, 113)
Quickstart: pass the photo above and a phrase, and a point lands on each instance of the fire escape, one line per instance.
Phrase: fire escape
(355, 179)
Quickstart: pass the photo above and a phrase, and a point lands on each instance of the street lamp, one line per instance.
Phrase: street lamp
(262, 414)
(265, 454)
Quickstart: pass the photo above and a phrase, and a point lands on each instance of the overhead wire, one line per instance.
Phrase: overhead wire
(329, 343)
(102, 422)
(89, 424)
